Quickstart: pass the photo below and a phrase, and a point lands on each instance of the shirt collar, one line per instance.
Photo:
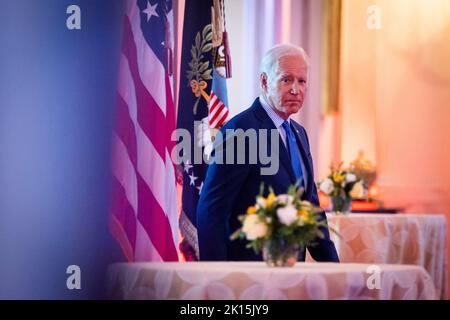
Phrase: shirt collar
(277, 120)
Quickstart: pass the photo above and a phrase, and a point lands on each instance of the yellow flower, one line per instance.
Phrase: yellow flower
(338, 178)
(270, 199)
(302, 213)
(305, 217)
(251, 210)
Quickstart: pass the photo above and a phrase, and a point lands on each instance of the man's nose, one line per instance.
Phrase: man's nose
(294, 88)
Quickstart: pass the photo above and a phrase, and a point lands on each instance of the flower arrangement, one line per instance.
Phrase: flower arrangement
(341, 185)
(280, 226)
(366, 172)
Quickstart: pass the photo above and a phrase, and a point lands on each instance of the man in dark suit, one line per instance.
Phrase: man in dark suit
(230, 188)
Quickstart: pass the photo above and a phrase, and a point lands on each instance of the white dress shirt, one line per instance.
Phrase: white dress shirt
(278, 122)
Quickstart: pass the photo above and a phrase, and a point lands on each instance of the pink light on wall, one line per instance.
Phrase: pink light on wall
(286, 8)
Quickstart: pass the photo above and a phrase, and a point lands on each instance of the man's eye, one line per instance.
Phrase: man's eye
(286, 80)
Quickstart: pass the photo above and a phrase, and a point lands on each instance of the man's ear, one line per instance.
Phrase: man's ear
(263, 80)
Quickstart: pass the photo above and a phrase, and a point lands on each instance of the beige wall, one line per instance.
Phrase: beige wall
(395, 96)
(395, 99)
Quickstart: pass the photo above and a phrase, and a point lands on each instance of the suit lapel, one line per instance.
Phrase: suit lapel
(267, 123)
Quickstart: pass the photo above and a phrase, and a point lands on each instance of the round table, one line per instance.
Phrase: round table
(417, 239)
(257, 281)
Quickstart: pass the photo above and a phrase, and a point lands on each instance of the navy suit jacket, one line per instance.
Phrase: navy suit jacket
(229, 189)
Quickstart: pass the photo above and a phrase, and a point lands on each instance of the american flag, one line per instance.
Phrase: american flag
(218, 111)
(144, 218)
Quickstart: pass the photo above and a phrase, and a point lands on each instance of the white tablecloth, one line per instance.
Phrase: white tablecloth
(256, 281)
(418, 239)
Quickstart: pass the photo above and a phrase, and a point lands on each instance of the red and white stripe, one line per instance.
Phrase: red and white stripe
(144, 215)
(218, 111)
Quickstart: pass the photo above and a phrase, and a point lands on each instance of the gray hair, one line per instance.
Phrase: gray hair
(272, 57)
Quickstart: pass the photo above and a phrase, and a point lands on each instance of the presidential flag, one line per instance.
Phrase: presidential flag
(203, 105)
(144, 215)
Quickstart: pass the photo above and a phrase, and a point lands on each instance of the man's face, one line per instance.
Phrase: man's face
(286, 87)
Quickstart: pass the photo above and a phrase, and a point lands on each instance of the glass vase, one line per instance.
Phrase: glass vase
(341, 205)
(279, 253)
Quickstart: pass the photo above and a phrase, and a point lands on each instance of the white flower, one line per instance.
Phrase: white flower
(350, 177)
(285, 199)
(306, 204)
(301, 221)
(260, 203)
(357, 190)
(287, 215)
(326, 186)
(253, 227)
